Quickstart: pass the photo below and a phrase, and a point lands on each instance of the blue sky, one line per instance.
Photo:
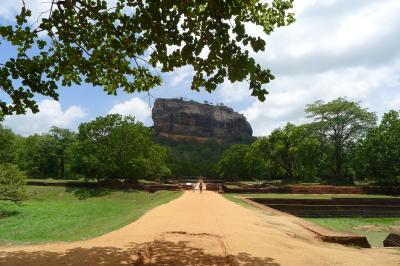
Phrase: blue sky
(335, 48)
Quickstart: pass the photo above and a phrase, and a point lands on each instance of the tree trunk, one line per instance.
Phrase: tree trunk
(339, 174)
(62, 167)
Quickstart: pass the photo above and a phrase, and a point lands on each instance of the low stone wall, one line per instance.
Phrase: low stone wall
(271, 189)
(320, 189)
(240, 185)
(336, 207)
(333, 201)
(63, 184)
(297, 189)
(213, 186)
(154, 188)
(358, 241)
(111, 185)
(392, 240)
(383, 190)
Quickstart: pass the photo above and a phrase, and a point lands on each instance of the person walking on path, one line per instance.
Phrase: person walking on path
(201, 186)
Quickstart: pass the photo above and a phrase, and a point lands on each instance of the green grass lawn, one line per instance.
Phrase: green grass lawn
(146, 182)
(376, 229)
(52, 180)
(232, 186)
(68, 214)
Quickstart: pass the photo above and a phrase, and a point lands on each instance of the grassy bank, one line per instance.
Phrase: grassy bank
(68, 214)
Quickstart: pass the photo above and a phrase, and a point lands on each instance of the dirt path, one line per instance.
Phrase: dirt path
(201, 229)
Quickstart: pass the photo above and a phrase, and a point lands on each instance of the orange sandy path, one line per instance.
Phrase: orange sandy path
(201, 229)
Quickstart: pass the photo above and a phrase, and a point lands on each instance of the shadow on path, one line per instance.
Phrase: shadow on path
(151, 253)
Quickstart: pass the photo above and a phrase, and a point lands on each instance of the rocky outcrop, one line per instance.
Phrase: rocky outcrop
(181, 120)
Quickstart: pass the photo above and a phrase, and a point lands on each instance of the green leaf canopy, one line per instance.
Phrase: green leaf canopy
(121, 47)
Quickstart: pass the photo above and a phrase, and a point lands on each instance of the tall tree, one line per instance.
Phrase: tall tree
(119, 46)
(291, 153)
(36, 155)
(258, 163)
(192, 158)
(117, 147)
(62, 139)
(7, 145)
(378, 156)
(340, 123)
(232, 165)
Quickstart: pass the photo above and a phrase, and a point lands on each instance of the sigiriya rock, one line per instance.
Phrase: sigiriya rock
(181, 120)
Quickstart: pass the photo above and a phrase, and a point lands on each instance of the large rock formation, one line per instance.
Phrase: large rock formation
(181, 120)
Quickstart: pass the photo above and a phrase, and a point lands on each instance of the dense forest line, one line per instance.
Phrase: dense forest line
(341, 144)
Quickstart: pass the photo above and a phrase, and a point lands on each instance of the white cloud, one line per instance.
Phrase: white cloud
(334, 49)
(8, 9)
(135, 107)
(394, 103)
(366, 25)
(51, 114)
(39, 8)
(181, 76)
(289, 95)
(334, 34)
(235, 92)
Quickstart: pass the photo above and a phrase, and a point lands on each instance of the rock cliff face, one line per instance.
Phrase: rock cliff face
(181, 120)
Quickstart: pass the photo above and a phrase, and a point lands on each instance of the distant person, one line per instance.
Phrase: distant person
(201, 187)
(193, 187)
